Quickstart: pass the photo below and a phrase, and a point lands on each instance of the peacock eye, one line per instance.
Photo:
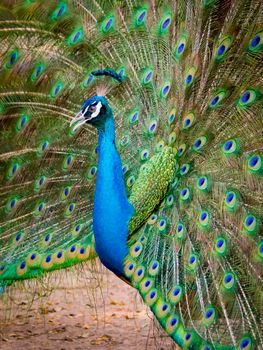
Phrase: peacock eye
(92, 108)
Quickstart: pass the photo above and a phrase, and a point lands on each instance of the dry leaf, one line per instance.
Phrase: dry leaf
(102, 340)
(114, 302)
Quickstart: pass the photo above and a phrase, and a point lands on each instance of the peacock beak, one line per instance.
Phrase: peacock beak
(77, 121)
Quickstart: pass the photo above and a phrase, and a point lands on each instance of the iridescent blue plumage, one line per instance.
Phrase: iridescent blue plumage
(112, 210)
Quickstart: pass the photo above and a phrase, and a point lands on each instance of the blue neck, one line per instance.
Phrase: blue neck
(112, 211)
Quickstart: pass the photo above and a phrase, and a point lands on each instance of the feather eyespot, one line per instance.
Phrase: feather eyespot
(130, 181)
(12, 171)
(231, 201)
(151, 296)
(250, 224)
(11, 204)
(162, 308)
(221, 246)
(202, 183)
(18, 237)
(256, 43)
(180, 47)
(229, 281)
(136, 249)
(145, 154)
(59, 257)
(190, 76)
(47, 238)
(260, 249)
(188, 339)
(165, 90)
(147, 75)
(209, 316)
(162, 226)
(187, 121)
(255, 164)
(12, 59)
(171, 116)
(75, 37)
(22, 268)
(146, 284)
(152, 219)
(245, 344)
(134, 117)
(22, 122)
(40, 209)
(166, 23)
(204, 219)
(217, 98)
(180, 230)
(170, 200)
(107, 24)
(47, 262)
(172, 323)
(247, 98)
(154, 268)
(56, 89)
(231, 147)
(129, 268)
(223, 47)
(185, 194)
(193, 262)
(175, 295)
(184, 169)
(59, 11)
(139, 273)
(140, 17)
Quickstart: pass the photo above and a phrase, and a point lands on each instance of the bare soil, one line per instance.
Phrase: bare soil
(78, 313)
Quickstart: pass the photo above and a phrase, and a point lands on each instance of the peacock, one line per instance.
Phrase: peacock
(160, 172)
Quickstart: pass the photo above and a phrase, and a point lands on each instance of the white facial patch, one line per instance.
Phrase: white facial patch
(97, 111)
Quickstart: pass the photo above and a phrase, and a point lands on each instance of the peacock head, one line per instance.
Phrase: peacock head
(94, 111)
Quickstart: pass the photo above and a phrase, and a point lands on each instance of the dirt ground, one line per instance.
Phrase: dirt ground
(82, 312)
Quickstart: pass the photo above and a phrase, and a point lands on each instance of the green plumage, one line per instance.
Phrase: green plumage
(189, 129)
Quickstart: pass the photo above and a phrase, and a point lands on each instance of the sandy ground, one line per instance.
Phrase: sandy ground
(80, 313)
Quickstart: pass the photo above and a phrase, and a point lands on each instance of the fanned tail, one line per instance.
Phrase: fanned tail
(193, 82)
